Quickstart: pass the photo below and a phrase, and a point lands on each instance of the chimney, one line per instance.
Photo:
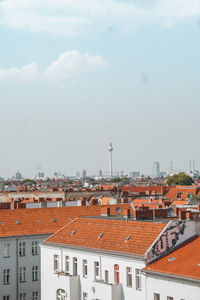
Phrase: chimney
(105, 211)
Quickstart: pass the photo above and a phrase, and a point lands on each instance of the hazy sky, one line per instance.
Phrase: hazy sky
(72, 73)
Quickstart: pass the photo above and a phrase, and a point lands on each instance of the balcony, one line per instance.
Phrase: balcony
(69, 283)
(106, 291)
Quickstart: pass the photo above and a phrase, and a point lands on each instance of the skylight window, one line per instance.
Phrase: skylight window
(38, 221)
(100, 235)
(73, 232)
(198, 265)
(1, 223)
(18, 222)
(171, 258)
(53, 220)
(127, 238)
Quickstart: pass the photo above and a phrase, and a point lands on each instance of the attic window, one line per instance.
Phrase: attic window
(73, 232)
(18, 222)
(171, 258)
(127, 238)
(198, 265)
(38, 221)
(100, 235)
(1, 223)
(70, 219)
(53, 220)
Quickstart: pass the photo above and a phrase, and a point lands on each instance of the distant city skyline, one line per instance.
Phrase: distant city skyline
(86, 70)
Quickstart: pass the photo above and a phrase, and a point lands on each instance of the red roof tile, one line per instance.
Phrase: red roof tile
(87, 230)
(185, 264)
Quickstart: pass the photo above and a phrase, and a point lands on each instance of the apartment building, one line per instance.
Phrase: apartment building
(21, 233)
(102, 258)
(175, 276)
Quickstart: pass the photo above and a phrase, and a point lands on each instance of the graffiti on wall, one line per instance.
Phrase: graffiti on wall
(167, 240)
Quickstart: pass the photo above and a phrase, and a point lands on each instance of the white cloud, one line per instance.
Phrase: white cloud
(75, 17)
(68, 65)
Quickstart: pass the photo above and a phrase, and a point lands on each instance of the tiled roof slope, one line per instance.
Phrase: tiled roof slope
(40, 220)
(185, 264)
(87, 231)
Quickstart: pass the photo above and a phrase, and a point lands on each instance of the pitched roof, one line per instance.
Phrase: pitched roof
(44, 220)
(185, 264)
(114, 233)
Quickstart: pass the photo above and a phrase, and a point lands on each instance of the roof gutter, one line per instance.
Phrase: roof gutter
(154, 273)
(95, 250)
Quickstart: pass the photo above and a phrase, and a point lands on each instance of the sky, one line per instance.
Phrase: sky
(75, 73)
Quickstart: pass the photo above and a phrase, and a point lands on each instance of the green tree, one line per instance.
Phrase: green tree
(28, 181)
(195, 198)
(180, 179)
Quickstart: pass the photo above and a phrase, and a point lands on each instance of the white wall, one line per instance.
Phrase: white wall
(178, 289)
(50, 282)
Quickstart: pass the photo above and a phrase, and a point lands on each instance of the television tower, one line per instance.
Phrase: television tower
(110, 149)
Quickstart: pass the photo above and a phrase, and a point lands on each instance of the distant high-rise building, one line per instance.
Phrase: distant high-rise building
(18, 175)
(156, 169)
(77, 174)
(110, 149)
(84, 174)
(135, 174)
(100, 173)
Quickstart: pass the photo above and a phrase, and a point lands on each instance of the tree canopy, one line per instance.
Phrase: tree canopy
(28, 181)
(180, 179)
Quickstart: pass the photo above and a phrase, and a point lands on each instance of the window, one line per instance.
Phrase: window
(22, 249)
(6, 297)
(96, 270)
(22, 296)
(61, 295)
(170, 298)
(106, 276)
(85, 296)
(22, 274)
(67, 264)
(129, 277)
(85, 268)
(55, 262)
(35, 296)
(138, 279)
(116, 273)
(35, 273)
(35, 248)
(75, 266)
(156, 296)
(6, 276)
(6, 248)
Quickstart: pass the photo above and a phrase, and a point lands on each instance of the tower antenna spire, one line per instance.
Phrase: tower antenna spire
(110, 149)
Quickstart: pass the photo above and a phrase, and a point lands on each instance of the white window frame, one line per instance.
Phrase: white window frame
(138, 279)
(6, 250)
(35, 248)
(22, 296)
(85, 296)
(22, 248)
(61, 294)
(156, 296)
(85, 268)
(35, 273)
(6, 276)
(129, 277)
(35, 295)
(75, 266)
(22, 274)
(67, 265)
(56, 262)
(96, 270)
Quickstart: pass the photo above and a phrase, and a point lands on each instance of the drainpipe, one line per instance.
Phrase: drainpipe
(17, 271)
(100, 266)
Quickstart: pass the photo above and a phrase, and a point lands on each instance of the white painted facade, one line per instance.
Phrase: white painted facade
(14, 262)
(174, 287)
(103, 287)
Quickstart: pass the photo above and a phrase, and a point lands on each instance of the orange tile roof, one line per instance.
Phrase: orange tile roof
(185, 264)
(29, 224)
(142, 234)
